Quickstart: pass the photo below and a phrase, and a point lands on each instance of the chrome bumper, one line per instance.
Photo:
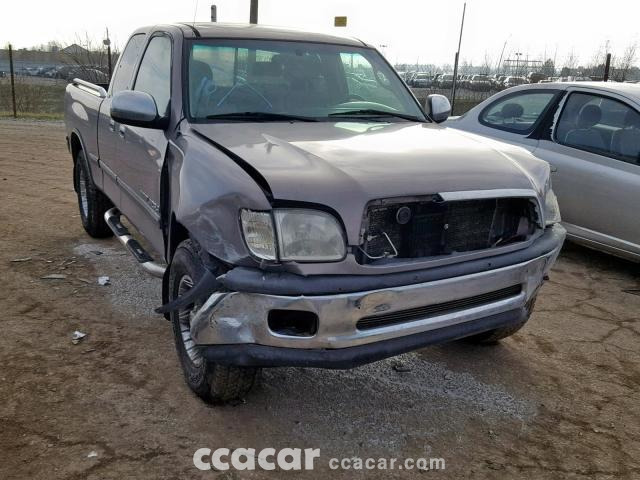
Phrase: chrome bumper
(241, 318)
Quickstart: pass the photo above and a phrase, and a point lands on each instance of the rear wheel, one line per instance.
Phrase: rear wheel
(92, 202)
(493, 336)
(212, 382)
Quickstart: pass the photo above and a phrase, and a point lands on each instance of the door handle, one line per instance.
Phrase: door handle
(122, 130)
(112, 125)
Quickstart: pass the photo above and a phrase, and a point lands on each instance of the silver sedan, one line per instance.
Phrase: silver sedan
(590, 134)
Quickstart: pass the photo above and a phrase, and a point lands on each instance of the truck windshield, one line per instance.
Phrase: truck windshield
(242, 80)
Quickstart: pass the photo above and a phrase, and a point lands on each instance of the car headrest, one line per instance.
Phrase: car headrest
(632, 119)
(199, 71)
(511, 110)
(589, 115)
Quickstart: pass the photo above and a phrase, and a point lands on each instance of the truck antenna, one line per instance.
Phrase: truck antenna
(195, 11)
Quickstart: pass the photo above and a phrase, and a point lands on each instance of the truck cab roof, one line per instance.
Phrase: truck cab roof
(251, 31)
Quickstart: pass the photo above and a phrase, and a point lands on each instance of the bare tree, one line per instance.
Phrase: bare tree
(87, 60)
(626, 61)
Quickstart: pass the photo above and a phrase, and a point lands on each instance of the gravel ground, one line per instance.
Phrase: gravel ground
(557, 400)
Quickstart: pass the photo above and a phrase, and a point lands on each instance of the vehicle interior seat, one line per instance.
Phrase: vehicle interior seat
(626, 141)
(267, 78)
(511, 111)
(585, 135)
(201, 87)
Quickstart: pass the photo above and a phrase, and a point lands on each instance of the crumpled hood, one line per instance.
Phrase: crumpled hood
(344, 165)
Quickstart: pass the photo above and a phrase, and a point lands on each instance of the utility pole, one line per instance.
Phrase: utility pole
(501, 54)
(253, 12)
(107, 42)
(455, 64)
(214, 13)
(13, 85)
(607, 66)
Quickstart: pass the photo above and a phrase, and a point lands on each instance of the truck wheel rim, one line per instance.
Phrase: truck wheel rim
(84, 201)
(184, 318)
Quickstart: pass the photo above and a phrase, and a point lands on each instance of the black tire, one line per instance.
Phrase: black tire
(92, 203)
(494, 336)
(212, 382)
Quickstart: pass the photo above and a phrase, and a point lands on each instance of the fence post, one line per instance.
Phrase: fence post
(13, 86)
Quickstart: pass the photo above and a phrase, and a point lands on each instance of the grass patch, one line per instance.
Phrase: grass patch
(32, 115)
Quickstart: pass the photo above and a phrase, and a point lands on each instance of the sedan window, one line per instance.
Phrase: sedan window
(600, 125)
(517, 113)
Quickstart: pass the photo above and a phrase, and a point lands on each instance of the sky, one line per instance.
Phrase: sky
(406, 31)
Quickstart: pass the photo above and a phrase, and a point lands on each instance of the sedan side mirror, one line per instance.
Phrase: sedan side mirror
(137, 109)
(439, 108)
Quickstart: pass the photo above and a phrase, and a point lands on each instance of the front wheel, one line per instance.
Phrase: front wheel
(212, 382)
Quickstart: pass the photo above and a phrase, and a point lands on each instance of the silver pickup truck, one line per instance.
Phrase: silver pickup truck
(308, 210)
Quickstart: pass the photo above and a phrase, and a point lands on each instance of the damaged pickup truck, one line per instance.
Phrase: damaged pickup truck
(308, 210)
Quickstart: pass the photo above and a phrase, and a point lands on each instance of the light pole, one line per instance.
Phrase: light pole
(107, 43)
(455, 64)
(517, 62)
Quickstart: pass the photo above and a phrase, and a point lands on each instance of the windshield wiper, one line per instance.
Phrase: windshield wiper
(371, 112)
(259, 116)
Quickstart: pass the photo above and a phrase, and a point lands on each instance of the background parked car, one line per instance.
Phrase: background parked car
(445, 81)
(514, 81)
(422, 80)
(590, 133)
(480, 83)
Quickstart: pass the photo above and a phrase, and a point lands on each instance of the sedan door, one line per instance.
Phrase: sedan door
(594, 151)
(510, 117)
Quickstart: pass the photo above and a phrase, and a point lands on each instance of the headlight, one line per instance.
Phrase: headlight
(551, 208)
(301, 235)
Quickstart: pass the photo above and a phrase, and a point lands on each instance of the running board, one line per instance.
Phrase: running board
(112, 217)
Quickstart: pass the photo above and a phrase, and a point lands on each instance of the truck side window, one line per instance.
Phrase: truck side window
(122, 76)
(154, 75)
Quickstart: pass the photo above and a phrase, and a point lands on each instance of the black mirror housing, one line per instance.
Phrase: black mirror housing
(438, 107)
(137, 109)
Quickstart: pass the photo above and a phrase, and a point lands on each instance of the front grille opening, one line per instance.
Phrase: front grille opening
(432, 227)
(419, 313)
(293, 323)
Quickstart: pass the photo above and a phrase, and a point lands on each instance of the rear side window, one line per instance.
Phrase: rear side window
(600, 125)
(154, 75)
(124, 72)
(517, 113)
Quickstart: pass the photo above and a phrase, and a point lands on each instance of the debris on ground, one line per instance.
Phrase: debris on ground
(92, 454)
(96, 252)
(104, 280)
(54, 276)
(18, 260)
(77, 336)
(401, 367)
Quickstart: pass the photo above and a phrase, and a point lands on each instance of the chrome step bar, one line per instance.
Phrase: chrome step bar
(112, 217)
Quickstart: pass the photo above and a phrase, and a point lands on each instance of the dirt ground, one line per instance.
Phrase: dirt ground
(558, 400)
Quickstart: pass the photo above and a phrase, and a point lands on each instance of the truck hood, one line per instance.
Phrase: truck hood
(344, 165)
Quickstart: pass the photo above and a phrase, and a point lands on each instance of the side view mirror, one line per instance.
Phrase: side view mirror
(438, 107)
(137, 109)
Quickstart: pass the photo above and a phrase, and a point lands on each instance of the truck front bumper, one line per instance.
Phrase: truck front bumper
(232, 328)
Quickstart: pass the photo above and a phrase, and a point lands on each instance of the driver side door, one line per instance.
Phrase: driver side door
(141, 151)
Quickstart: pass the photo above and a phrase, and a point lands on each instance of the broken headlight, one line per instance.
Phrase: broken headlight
(551, 208)
(301, 235)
